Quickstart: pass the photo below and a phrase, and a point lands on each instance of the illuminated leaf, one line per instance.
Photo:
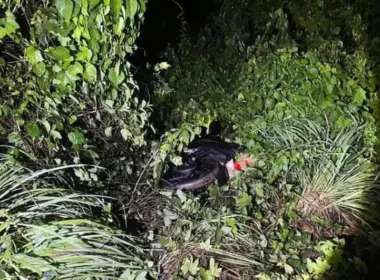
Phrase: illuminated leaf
(359, 97)
(59, 53)
(33, 130)
(90, 72)
(64, 8)
(33, 55)
(116, 7)
(85, 54)
(244, 200)
(76, 138)
(131, 9)
(108, 131)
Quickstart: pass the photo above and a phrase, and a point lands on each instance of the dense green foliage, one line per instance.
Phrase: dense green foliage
(296, 82)
(67, 95)
(73, 88)
(50, 232)
(299, 83)
(277, 79)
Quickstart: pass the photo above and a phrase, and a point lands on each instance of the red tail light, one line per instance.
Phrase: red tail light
(238, 164)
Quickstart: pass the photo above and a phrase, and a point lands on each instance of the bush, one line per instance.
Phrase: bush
(279, 80)
(51, 232)
(300, 87)
(68, 96)
(68, 91)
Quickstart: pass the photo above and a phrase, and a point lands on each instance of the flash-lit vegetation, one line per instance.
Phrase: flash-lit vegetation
(88, 124)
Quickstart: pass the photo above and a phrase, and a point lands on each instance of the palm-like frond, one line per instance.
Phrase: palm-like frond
(51, 232)
(340, 181)
(336, 179)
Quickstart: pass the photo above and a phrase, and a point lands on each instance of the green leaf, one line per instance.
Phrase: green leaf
(259, 190)
(162, 66)
(288, 269)
(319, 267)
(76, 137)
(64, 8)
(205, 274)
(343, 122)
(244, 200)
(55, 134)
(131, 9)
(69, 76)
(59, 53)
(85, 54)
(10, 25)
(64, 78)
(39, 69)
(76, 10)
(213, 268)
(119, 26)
(75, 69)
(33, 55)
(116, 7)
(142, 5)
(359, 97)
(231, 223)
(84, 7)
(320, 3)
(126, 134)
(282, 162)
(165, 147)
(115, 78)
(94, 40)
(77, 33)
(190, 267)
(72, 119)
(90, 72)
(360, 265)
(93, 3)
(3, 32)
(33, 130)
(185, 136)
(285, 234)
(108, 131)
(312, 73)
(46, 125)
(141, 275)
(14, 137)
(169, 216)
(335, 30)
(205, 245)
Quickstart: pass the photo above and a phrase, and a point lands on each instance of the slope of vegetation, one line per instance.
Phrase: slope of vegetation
(296, 82)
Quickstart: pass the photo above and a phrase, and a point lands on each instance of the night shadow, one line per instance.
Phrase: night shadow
(164, 22)
(366, 245)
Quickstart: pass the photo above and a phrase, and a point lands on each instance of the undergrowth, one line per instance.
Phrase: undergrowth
(296, 82)
(300, 89)
(51, 232)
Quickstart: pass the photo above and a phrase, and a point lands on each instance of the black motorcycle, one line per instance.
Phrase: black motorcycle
(204, 162)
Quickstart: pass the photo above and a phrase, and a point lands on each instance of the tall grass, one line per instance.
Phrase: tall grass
(53, 233)
(338, 179)
(205, 234)
(341, 184)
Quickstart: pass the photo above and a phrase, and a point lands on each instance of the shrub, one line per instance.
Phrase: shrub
(51, 232)
(340, 184)
(276, 80)
(69, 90)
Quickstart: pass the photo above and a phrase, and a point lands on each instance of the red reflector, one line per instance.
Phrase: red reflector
(237, 166)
